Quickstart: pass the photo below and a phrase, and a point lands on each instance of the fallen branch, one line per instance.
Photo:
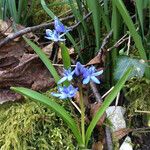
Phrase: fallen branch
(30, 29)
(13, 36)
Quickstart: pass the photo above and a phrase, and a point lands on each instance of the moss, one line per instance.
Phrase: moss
(138, 95)
(32, 126)
(39, 14)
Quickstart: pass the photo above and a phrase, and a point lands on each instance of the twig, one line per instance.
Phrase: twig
(117, 99)
(74, 104)
(30, 29)
(108, 139)
(96, 93)
(13, 36)
(144, 128)
(62, 65)
(78, 23)
(105, 41)
(107, 92)
(117, 44)
(128, 47)
(140, 111)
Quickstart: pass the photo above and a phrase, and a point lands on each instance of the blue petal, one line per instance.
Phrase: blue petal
(49, 32)
(55, 94)
(86, 80)
(59, 27)
(94, 79)
(48, 37)
(62, 80)
(97, 73)
(69, 77)
(72, 73)
(63, 96)
(62, 40)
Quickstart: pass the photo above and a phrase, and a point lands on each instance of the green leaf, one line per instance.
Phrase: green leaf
(44, 59)
(108, 100)
(13, 10)
(94, 7)
(139, 6)
(54, 106)
(65, 56)
(137, 39)
(48, 11)
(124, 62)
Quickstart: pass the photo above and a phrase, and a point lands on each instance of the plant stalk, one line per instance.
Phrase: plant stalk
(82, 115)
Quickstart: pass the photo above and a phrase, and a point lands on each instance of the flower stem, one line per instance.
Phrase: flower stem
(82, 114)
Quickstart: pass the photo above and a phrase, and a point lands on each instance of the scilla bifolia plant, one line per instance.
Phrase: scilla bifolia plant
(80, 75)
(77, 77)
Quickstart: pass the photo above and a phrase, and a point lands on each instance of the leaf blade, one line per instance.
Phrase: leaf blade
(52, 105)
(106, 103)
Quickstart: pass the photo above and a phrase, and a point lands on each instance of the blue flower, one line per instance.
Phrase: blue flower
(59, 27)
(90, 74)
(68, 75)
(65, 92)
(54, 36)
(79, 69)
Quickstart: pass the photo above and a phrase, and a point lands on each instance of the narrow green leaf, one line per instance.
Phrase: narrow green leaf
(44, 59)
(65, 56)
(108, 100)
(105, 18)
(54, 106)
(13, 10)
(48, 11)
(139, 6)
(116, 25)
(137, 39)
(1, 10)
(94, 7)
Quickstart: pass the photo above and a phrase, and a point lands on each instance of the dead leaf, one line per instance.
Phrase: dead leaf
(121, 133)
(97, 146)
(95, 60)
(19, 66)
(71, 52)
(7, 95)
(5, 27)
(48, 49)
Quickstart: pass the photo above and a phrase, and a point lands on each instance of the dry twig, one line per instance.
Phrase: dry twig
(30, 29)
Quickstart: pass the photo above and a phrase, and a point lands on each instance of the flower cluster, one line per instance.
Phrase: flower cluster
(65, 92)
(83, 73)
(59, 31)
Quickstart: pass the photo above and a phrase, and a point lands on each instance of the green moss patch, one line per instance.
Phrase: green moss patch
(32, 126)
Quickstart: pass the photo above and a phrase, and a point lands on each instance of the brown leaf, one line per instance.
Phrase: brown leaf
(48, 49)
(5, 27)
(7, 95)
(20, 68)
(121, 133)
(97, 146)
(95, 60)
(71, 51)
